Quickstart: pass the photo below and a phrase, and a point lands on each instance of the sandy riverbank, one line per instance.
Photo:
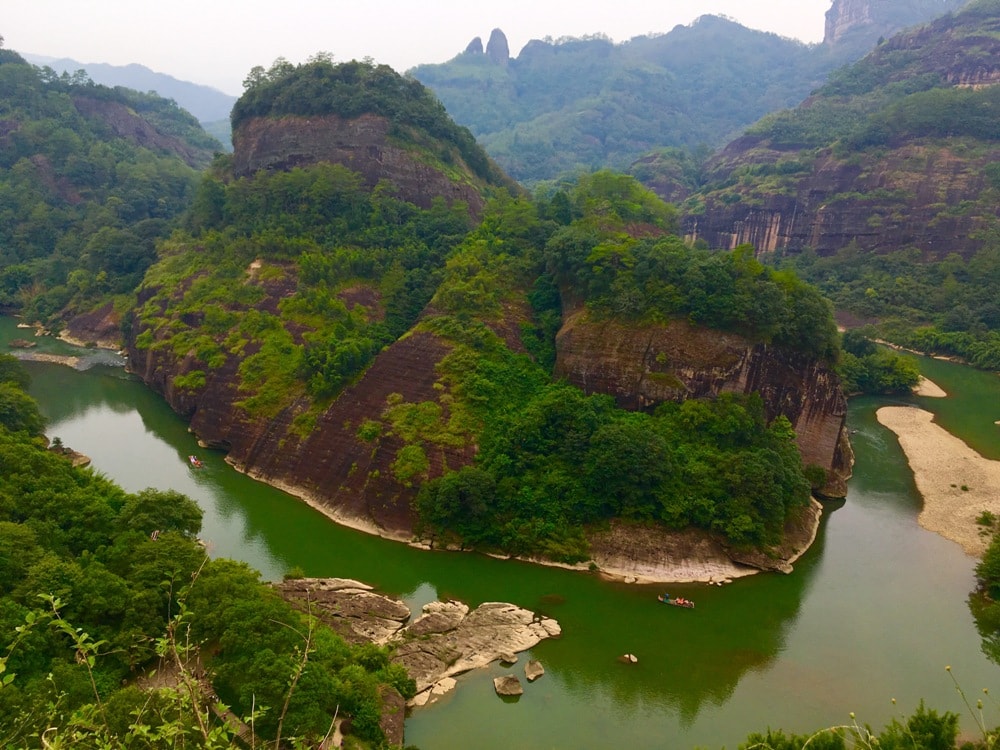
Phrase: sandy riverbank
(942, 466)
(928, 389)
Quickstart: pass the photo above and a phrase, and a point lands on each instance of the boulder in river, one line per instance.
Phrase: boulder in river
(446, 640)
(508, 685)
(533, 670)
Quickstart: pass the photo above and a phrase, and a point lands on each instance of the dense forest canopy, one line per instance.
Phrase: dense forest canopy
(82, 203)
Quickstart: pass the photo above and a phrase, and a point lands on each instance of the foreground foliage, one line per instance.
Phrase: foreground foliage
(98, 585)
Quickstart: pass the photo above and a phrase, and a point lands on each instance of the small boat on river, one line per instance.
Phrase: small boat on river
(195, 462)
(676, 601)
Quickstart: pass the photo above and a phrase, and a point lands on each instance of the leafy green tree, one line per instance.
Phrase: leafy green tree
(18, 411)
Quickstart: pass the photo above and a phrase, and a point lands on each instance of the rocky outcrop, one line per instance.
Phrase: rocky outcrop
(362, 144)
(844, 16)
(862, 22)
(497, 48)
(101, 327)
(533, 670)
(508, 686)
(907, 197)
(642, 366)
(446, 640)
(653, 554)
(348, 478)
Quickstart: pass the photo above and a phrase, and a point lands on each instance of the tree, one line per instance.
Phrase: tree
(18, 411)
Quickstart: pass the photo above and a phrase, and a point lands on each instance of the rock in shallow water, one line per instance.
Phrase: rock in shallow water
(447, 639)
(533, 670)
(508, 684)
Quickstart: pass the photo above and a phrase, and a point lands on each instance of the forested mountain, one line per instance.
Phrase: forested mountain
(204, 102)
(390, 352)
(211, 106)
(91, 177)
(889, 175)
(582, 104)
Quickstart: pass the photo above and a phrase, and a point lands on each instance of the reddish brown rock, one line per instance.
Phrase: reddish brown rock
(642, 366)
(361, 144)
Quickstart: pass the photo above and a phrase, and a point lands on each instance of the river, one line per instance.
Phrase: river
(873, 612)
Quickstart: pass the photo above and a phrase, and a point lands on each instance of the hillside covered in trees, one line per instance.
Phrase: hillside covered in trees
(90, 178)
(570, 105)
(284, 313)
(98, 586)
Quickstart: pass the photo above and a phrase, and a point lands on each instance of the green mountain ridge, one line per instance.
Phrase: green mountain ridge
(91, 178)
(582, 104)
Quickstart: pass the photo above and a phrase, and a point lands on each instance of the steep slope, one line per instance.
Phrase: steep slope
(91, 177)
(646, 365)
(367, 118)
(893, 152)
(380, 361)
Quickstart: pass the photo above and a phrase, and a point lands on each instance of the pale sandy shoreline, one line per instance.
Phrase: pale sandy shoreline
(942, 466)
(928, 389)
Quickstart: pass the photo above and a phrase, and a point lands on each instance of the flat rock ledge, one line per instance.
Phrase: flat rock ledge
(446, 640)
(637, 553)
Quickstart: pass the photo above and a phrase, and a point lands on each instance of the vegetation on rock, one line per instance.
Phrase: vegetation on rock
(351, 89)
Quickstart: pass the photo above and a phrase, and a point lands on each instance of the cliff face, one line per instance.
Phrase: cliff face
(362, 144)
(647, 365)
(863, 21)
(863, 162)
(844, 16)
(906, 197)
(333, 468)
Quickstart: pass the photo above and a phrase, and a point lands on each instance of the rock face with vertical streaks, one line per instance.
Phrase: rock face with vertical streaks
(642, 366)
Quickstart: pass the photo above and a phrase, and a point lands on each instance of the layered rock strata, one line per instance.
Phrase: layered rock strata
(362, 144)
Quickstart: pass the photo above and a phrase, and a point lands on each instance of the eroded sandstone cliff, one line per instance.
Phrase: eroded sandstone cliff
(915, 195)
(645, 365)
(894, 153)
(362, 144)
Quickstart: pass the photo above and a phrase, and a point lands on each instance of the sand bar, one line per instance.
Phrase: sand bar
(928, 389)
(942, 464)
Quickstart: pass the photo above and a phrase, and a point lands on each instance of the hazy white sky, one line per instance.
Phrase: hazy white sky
(216, 42)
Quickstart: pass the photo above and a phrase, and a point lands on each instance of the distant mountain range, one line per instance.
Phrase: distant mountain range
(209, 105)
(581, 104)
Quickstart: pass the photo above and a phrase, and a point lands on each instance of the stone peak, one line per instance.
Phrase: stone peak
(497, 49)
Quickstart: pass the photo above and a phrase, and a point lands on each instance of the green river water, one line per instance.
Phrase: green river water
(873, 612)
